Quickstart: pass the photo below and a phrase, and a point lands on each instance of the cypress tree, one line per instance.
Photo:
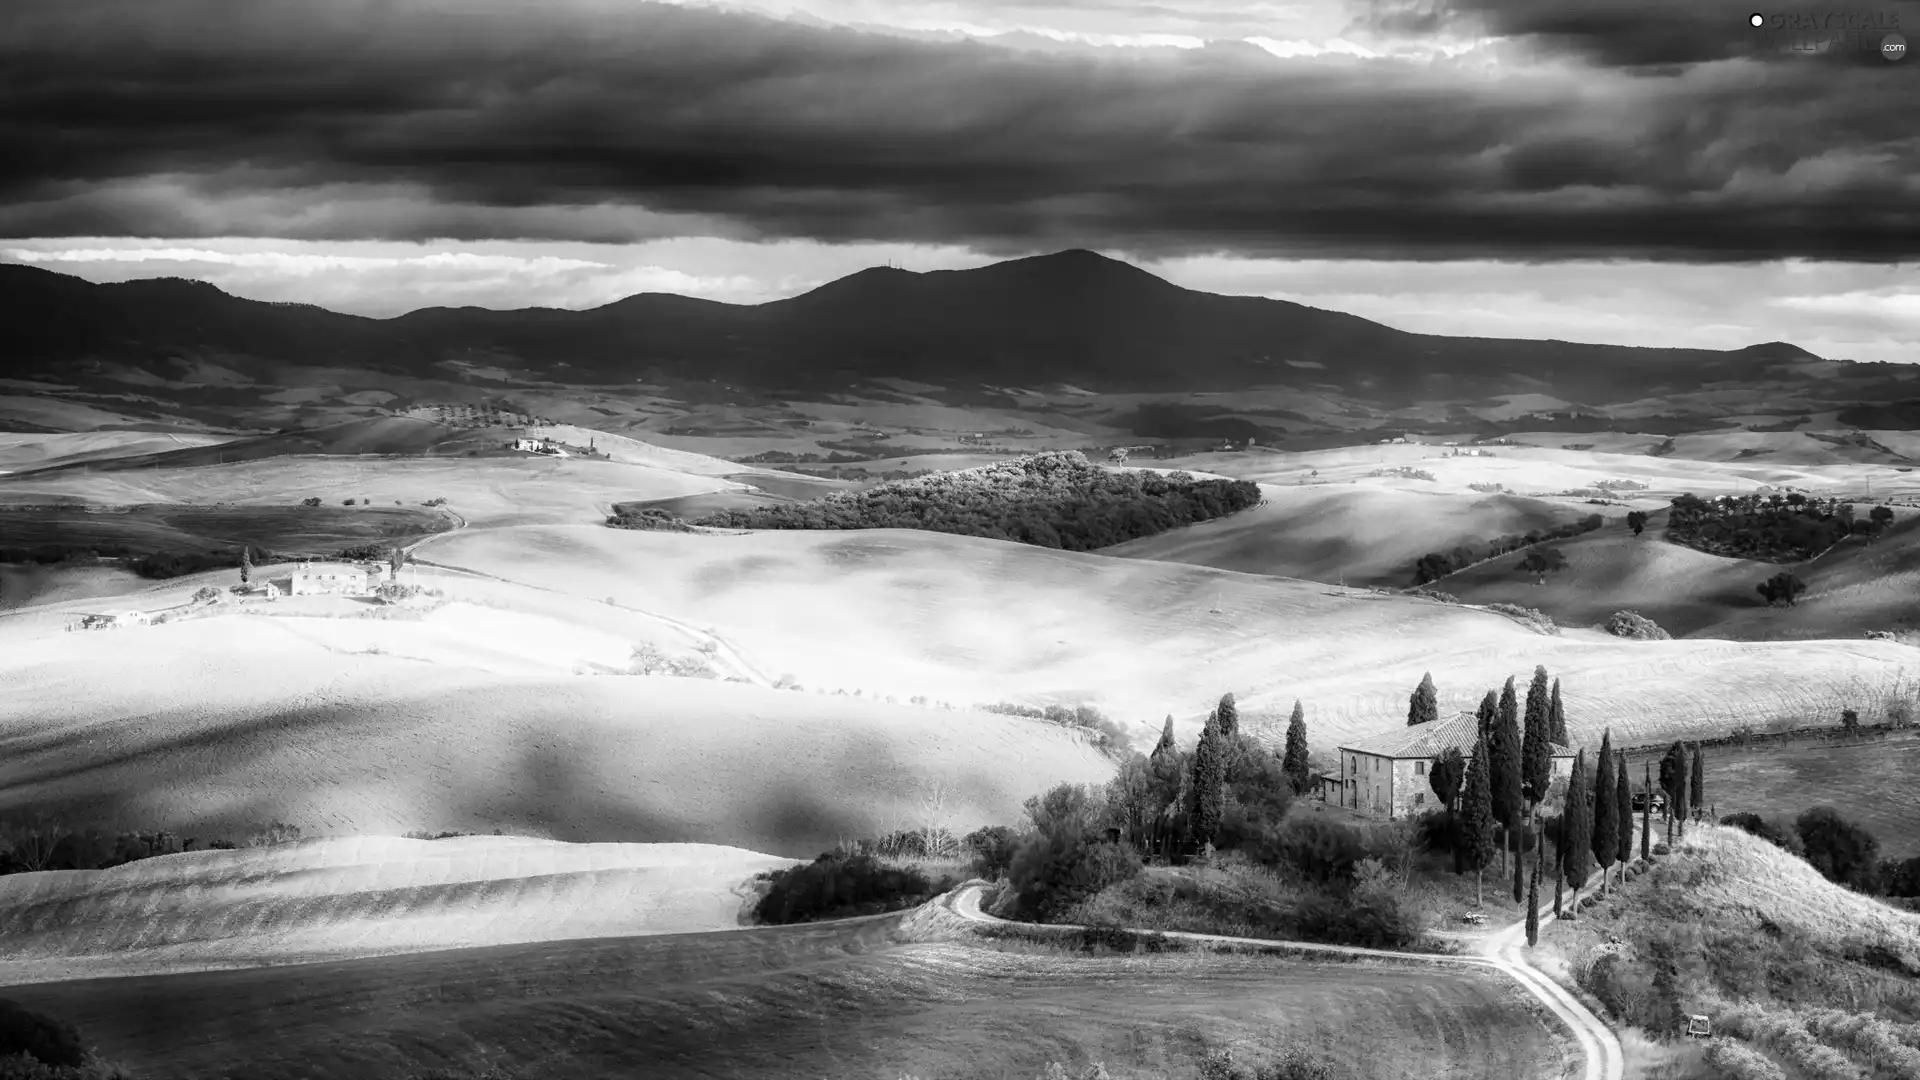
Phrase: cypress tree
(1646, 820)
(1559, 864)
(1533, 894)
(1606, 818)
(1227, 716)
(1445, 775)
(1578, 825)
(1489, 708)
(1504, 775)
(1670, 765)
(1680, 775)
(1536, 757)
(1519, 864)
(1623, 806)
(1476, 820)
(1698, 780)
(1423, 705)
(1207, 797)
(246, 564)
(1557, 718)
(1294, 762)
(1165, 745)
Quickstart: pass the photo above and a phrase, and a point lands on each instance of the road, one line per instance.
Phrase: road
(1503, 951)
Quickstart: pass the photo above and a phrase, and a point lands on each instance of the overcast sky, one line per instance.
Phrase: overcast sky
(1634, 171)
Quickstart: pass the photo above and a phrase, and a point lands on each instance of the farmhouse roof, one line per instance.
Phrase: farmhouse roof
(1430, 740)
(323, 568)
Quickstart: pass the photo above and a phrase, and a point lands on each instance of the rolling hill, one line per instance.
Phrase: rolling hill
(1858, 586)
(962, 619)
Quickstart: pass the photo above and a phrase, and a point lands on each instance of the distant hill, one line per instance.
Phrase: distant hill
(1072, 317)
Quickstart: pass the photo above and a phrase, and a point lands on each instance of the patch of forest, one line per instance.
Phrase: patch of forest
(1770, 528)
(1056, 500)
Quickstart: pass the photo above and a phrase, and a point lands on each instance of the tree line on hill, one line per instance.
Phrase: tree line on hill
(1844, 851)
(1435, 565)
(1054, 500)
(1777, 527)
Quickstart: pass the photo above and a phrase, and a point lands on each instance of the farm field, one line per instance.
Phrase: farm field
(362, 896)
(173, 528)
(1866, 781)
(481, 490)
(472, 718)
(824, 1001)
(20, 451)
(963, 619)
(1359, 534)
(1858, 586)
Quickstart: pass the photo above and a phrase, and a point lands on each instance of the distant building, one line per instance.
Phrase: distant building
(1387, 773)
(337, 579)
(538, 446)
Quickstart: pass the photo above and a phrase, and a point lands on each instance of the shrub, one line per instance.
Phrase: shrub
(277, 833)
(1843, 851)
(1317, 847)
(1773, 832)
(1372, 913)
(1054, 869)
(1538, 621)
(992, 848)
(313, 500)
(47, 1040)
(836, 885)
(1633, 625)
(205, 594)
(346, 502)
(23, 1067)
(1742, 1062)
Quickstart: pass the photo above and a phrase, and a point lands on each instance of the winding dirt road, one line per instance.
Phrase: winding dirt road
(1503, 951)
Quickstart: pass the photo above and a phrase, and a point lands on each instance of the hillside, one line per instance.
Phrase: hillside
(472, 716)
(962, 619)
(1070, 317)
(1817, 979)
(1358, 534)
(320, 900)
(1856, 587)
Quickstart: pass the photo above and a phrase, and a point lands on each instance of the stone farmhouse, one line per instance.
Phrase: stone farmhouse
(114, 621)
(336, 579)
(539, 446)
(1387, 773)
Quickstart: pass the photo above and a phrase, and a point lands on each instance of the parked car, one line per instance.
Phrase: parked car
(1640, 802)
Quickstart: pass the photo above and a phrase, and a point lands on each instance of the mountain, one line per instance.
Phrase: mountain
(1071, 317)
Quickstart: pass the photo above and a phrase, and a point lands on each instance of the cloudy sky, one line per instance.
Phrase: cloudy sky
(1634, 171)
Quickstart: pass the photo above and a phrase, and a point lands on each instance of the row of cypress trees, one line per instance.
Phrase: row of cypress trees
(1510, 774)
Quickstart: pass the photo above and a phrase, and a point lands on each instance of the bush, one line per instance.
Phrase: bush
(47, 1040)
(1054, 869)
(23, 1067)
(991, 848)
(310, 501)
(1538, 621)
(1372, 913)
(1738, 1061)
(1771, 831)
(1844, 852)
(205, 594)
(836, 885)
(1319, 848)
(277, 833)
(1633, 625)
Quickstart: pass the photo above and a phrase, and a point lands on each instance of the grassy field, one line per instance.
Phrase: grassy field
(320, 900)
(834, 1001)
(1788, 966)
(19, 451)
(174, 528)
(471, 717)
(1366, 533)
(1855, 587)
(963, 619)
(1866, 781)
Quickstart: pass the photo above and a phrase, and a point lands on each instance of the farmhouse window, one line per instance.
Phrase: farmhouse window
(1419, 798)
(1419, 768)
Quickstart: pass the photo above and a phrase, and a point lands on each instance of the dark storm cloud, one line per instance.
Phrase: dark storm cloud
(1661, 33)
(616, 121)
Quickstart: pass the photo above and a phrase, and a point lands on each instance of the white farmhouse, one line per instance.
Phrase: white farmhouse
(1387, 773)
(338, 579)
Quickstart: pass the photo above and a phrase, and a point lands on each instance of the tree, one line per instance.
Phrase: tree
(1670, 765)
(1476, 819)
(1117, 456)
(1840, 849)
(1781, 588)
(1606, 817)
(1557, 718)
(1504, 775)
(1227, 716)
(1445, 775)
(1423, 705)
(1682, 772)
(1206, 799)
(1646, 820)
(1169, 772)
(1881, 516)
(1536, 756)
(1294, 762)
(1623, 809)
(1636, 520)
(1697, 780)
(1166, 737)
(246, 564)
(1533, 898)
(1489, 709)
(1577, 823)
(395, 560)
